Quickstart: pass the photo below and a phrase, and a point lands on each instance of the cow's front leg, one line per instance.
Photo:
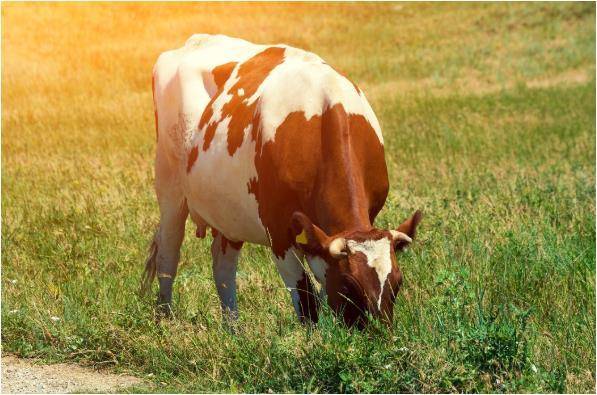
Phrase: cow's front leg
(298, 283)
(225, 255)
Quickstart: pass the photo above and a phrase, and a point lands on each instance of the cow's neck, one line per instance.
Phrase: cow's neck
(340, 200)
(345, 216)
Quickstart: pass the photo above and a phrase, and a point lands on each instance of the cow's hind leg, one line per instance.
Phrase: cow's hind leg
(172, 227)
(298, 283)
(165, 247)
(165, 251)
(225, 255)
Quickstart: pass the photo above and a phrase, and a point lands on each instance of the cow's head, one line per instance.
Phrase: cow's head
(359, 268)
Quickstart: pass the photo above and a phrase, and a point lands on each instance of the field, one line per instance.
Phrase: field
(488, 113)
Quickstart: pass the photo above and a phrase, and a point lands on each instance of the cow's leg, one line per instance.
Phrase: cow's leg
(165, 249)
(298, 283)
(225, 255)
(171, 233)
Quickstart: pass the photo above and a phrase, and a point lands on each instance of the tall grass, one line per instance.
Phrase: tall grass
(488, 113)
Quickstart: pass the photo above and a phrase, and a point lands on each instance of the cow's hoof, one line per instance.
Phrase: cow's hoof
(231, 327)
(230, 322)
(163, 311)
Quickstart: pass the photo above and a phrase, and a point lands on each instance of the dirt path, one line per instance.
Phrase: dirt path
(27, 376)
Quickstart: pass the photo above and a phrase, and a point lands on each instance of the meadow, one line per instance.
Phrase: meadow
(488, 114)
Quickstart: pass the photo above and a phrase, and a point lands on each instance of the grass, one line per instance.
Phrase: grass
(488, 112)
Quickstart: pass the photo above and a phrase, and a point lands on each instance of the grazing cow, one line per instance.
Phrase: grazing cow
(268, 144)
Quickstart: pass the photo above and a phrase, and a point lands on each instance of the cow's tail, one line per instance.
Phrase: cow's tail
(151, 265)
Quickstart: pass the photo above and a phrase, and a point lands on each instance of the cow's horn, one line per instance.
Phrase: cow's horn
(396, 235)
(337, 247)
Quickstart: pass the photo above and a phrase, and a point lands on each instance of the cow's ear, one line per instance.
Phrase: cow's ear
(408, 228)
(308, 236)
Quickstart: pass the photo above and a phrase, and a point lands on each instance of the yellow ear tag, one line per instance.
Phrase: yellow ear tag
(302, 238)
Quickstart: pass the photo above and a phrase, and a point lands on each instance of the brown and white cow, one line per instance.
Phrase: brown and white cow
(268, 144)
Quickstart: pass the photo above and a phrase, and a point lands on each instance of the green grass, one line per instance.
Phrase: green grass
(488, 113)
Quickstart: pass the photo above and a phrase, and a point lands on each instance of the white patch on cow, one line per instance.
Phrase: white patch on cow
(319, 267)
(378, 257)
(303, 82)
(241, 92)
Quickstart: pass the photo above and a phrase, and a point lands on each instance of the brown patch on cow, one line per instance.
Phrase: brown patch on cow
(369, 156)
(221, 74)
(237, 245)
(251, 75)
(330, 167)
(210, 131)
(192, 158)
(286, 171)
(206, 116)
(373, 234)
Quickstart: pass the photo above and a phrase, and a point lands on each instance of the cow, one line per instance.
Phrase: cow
(268, 144)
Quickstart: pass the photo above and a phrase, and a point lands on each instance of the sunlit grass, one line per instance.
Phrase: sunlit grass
(488, 113)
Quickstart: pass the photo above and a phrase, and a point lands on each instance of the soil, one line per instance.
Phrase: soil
(30, 376)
